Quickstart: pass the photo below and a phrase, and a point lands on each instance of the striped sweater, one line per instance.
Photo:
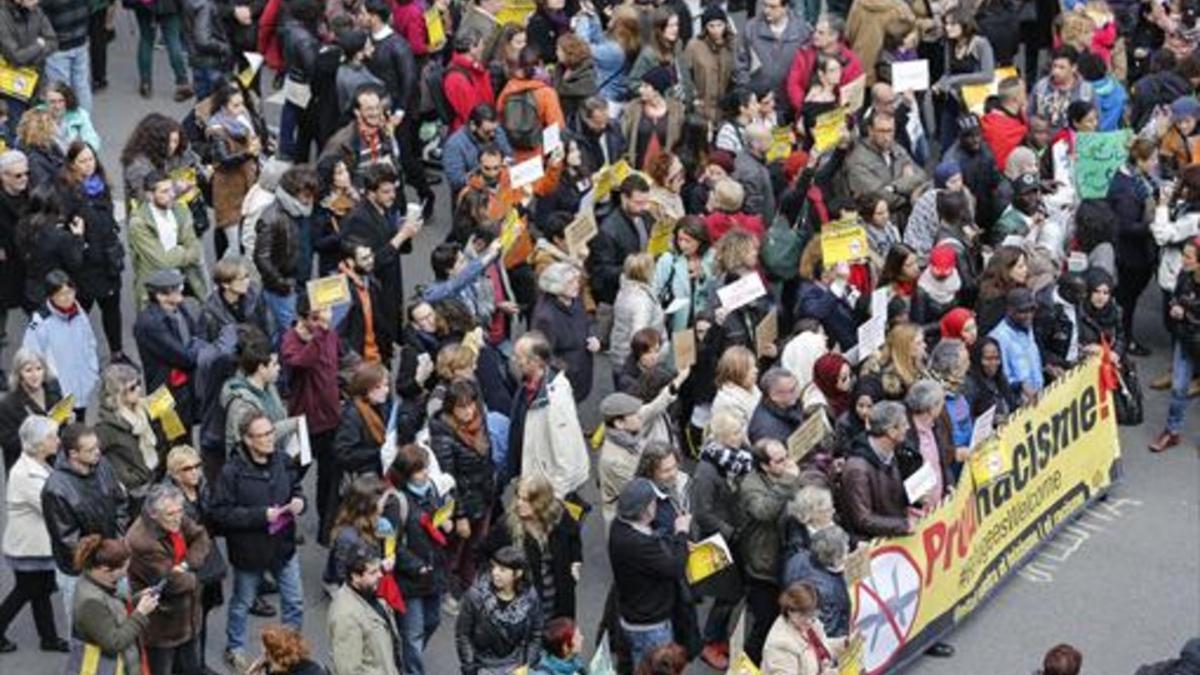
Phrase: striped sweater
(70, 21)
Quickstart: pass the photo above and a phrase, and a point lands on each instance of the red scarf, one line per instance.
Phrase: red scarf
(178, 547)
(818, 647)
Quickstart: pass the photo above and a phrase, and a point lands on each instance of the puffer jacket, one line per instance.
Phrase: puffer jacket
(208, 45)
(636, 307)
(68, 343)
(277, 249)
(763, 499)
(497, 637)
(20, 29)
(871, 494)
(474, 474)
(239, 510)
(75, 505)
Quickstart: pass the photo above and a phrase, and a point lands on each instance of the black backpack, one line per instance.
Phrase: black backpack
(522, 124)
(435, 76)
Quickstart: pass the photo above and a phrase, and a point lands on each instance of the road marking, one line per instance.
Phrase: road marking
(1071, 537)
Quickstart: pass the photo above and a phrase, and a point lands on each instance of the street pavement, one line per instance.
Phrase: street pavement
(1122, 584)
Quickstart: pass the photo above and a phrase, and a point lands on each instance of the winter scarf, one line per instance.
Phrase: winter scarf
(294, 207)
(371, 418)
(942, 291)
(729, 461)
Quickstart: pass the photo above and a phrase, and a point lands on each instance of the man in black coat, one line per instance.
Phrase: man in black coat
(365, 311)
(623, 233)
(394, 63)
(600, 139)
(278, 253)
(168, 335)
(255, 504)
(777, 414)
(372, 224)
(14, 200)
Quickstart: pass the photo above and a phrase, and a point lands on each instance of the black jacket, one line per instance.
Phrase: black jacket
(52, 247)
(353, 326)
(239, 510)
(415, 549)
(815, 301)
(618, 239)
(366, 225)
(300, 48)
(75, 506)
(44, 163)
(354, 448)
(1127, 197)
(565, 547)
(163, 349)
(15, 406)
(500, 636)
(204, 31)
(241, 38)
(1052, 329)
(216, 314)
(474, 475)
(646, 572)
(104, 256)
(277, 250)
(567, 329)
(12, 269)
(597, 146)
(394, 63)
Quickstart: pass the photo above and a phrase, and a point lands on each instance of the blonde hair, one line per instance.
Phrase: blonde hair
(639, 267)
(24, 357)
(626, 29)
(728, 195)
(116, 379)
(727, 428)
(1077, 30)
(180, 456)
(735, 367)
(453, 358)
(901, 354)
(546, 509)
(37, 129)
(732, 249)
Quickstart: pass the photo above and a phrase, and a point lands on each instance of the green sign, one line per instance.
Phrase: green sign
(1098, 155)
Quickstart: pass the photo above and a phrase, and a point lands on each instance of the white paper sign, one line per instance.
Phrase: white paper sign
(296, 93)
(879, 300)
(921, 483)
(678, 304)
(551, 139)
(985, 427)
(526, 172)
(741, 292)
(297, 443)
(910, 76)
(254, 61)
(871, 335)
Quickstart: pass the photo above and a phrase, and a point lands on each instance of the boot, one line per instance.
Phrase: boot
(1165, 441)
(183, 92)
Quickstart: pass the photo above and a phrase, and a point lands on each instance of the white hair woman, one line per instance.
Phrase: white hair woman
(124, 428)
(560, 316)
(32, 390)
(26, 540)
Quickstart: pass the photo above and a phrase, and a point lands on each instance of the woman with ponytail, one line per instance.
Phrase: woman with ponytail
(108, 622)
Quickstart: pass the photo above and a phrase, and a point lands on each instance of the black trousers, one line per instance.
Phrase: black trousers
(98, 37)
(327, 479)
(34, 588)
(1134, 280)
(762, 603)
(110, 319)
(181, 660)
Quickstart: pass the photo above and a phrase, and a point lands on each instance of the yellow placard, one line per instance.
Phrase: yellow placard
(62, 411)
(828, 128)
(187, 174)
(159, 402)
(597, 439)
(743, 666)
(989, 463)
(172, 426)
(389, 545)
(444, 513)
(706, 558)
(781, 144)
(975, 95)
(328, 291)
(660, 238)
(609, 178)
(19, 83)
(510, 230)
(843, 241)
(435, 30)
(515, 12)
(1062, 454)
(573, 509)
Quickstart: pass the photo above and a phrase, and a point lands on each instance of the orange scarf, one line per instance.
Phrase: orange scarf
(371, 418)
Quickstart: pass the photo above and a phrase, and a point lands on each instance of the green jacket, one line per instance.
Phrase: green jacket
(763, 500)
(148, 254)
(104, 638)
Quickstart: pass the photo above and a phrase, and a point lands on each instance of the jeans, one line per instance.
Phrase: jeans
(170, 24)
(245, 589)
(66, 586)
(283, 309)
(419, 624)
(643, 639)
(1182, 371)
(73, 67)
(34, 588)
(204, 81)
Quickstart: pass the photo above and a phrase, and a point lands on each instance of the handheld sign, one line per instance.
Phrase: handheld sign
(910, 76)
(527, 172)
(581, 230)
(330, 291)
(683, 344)
(766, 332)
(741, 292)
(707, 557)
(807, 436)
(843, 241)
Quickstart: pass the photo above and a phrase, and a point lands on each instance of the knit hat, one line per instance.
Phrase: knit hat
(713, 13)
(634, 498)
(943, 260)
(1026, 182)
(660, 78)
(1185, 106)
(954, 321)
(968, 122)
(945, 171)
(723, 159)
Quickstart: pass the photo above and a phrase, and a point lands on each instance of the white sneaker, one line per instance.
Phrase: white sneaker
(237, 661)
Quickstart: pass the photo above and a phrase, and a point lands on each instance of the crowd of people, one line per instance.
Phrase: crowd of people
(711, 146)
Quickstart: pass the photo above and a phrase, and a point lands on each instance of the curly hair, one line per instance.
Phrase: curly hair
(574, 50)
(37, 129)
(285, 646)
(547, 510)
(732, 250)
(151, 138)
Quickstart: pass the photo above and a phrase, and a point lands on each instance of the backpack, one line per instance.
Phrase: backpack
(521, 121)
(434, 79)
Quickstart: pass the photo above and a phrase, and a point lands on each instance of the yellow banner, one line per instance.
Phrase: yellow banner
(1059, 455)
(843, 241)
(975, 95)
(19, 83)
(515, 12)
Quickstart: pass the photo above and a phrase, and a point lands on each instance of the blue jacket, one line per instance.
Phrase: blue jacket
(836, 317)
(69, 347)
(460, 155)
(1110, 102)
(831, 588)
(608, 56)
(1020, 356)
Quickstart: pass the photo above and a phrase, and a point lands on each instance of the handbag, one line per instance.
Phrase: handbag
(213, 569)
(1129, 401)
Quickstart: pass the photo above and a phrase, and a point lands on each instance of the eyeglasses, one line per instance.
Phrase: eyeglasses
(22, 174)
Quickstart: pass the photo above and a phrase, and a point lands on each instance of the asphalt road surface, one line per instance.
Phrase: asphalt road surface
(1122, 584)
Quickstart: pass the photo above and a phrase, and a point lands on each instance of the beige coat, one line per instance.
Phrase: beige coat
(554, 445)
(25, 534)
(865, 26)
(618, 465)
(711, 68)
(786, 652)
(361, 637)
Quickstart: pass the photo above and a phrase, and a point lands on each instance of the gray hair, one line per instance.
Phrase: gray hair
(24, 357)
(885, 416)
(1019, 161)
(34, 430)
(773, 377)
(115, 380)
(11, 158)
(835, 23)
(830, 546)
(810, 500)
(946, 357)
(924, 396)
(159, 494)
(556, 276)
(653, 454)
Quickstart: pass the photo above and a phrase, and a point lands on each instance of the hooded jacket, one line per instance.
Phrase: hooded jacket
(240, 397)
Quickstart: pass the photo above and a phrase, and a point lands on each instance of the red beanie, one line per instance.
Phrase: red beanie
(954, 321)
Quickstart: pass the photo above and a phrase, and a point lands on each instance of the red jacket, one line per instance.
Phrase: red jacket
(269, 43)
(465, 90)
(1003, 132)
(802, 68)
(718, 223)
(408, 20)
(313, 373)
